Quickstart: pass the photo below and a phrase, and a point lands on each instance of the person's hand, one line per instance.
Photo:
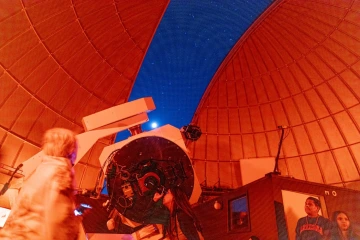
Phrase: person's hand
(157, 196)
(168, 199)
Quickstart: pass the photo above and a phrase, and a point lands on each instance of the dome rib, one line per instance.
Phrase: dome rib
(59, 64)
(55, 70)
(296, 66)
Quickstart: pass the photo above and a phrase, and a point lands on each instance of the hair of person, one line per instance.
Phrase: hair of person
(182, 202)
(59, 142)
(315, 200)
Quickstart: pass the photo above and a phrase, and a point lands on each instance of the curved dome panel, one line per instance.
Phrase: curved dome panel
(63, 60)
(297, 66)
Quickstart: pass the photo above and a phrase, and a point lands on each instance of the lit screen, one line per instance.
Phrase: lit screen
(4, 214)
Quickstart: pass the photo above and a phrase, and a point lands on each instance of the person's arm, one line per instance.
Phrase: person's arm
(59, 205)
(329, 226)
(297, 231)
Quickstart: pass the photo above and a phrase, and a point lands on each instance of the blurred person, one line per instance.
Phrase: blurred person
(181, 218)
(44, 208)
(342, 229)
(313, 226)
